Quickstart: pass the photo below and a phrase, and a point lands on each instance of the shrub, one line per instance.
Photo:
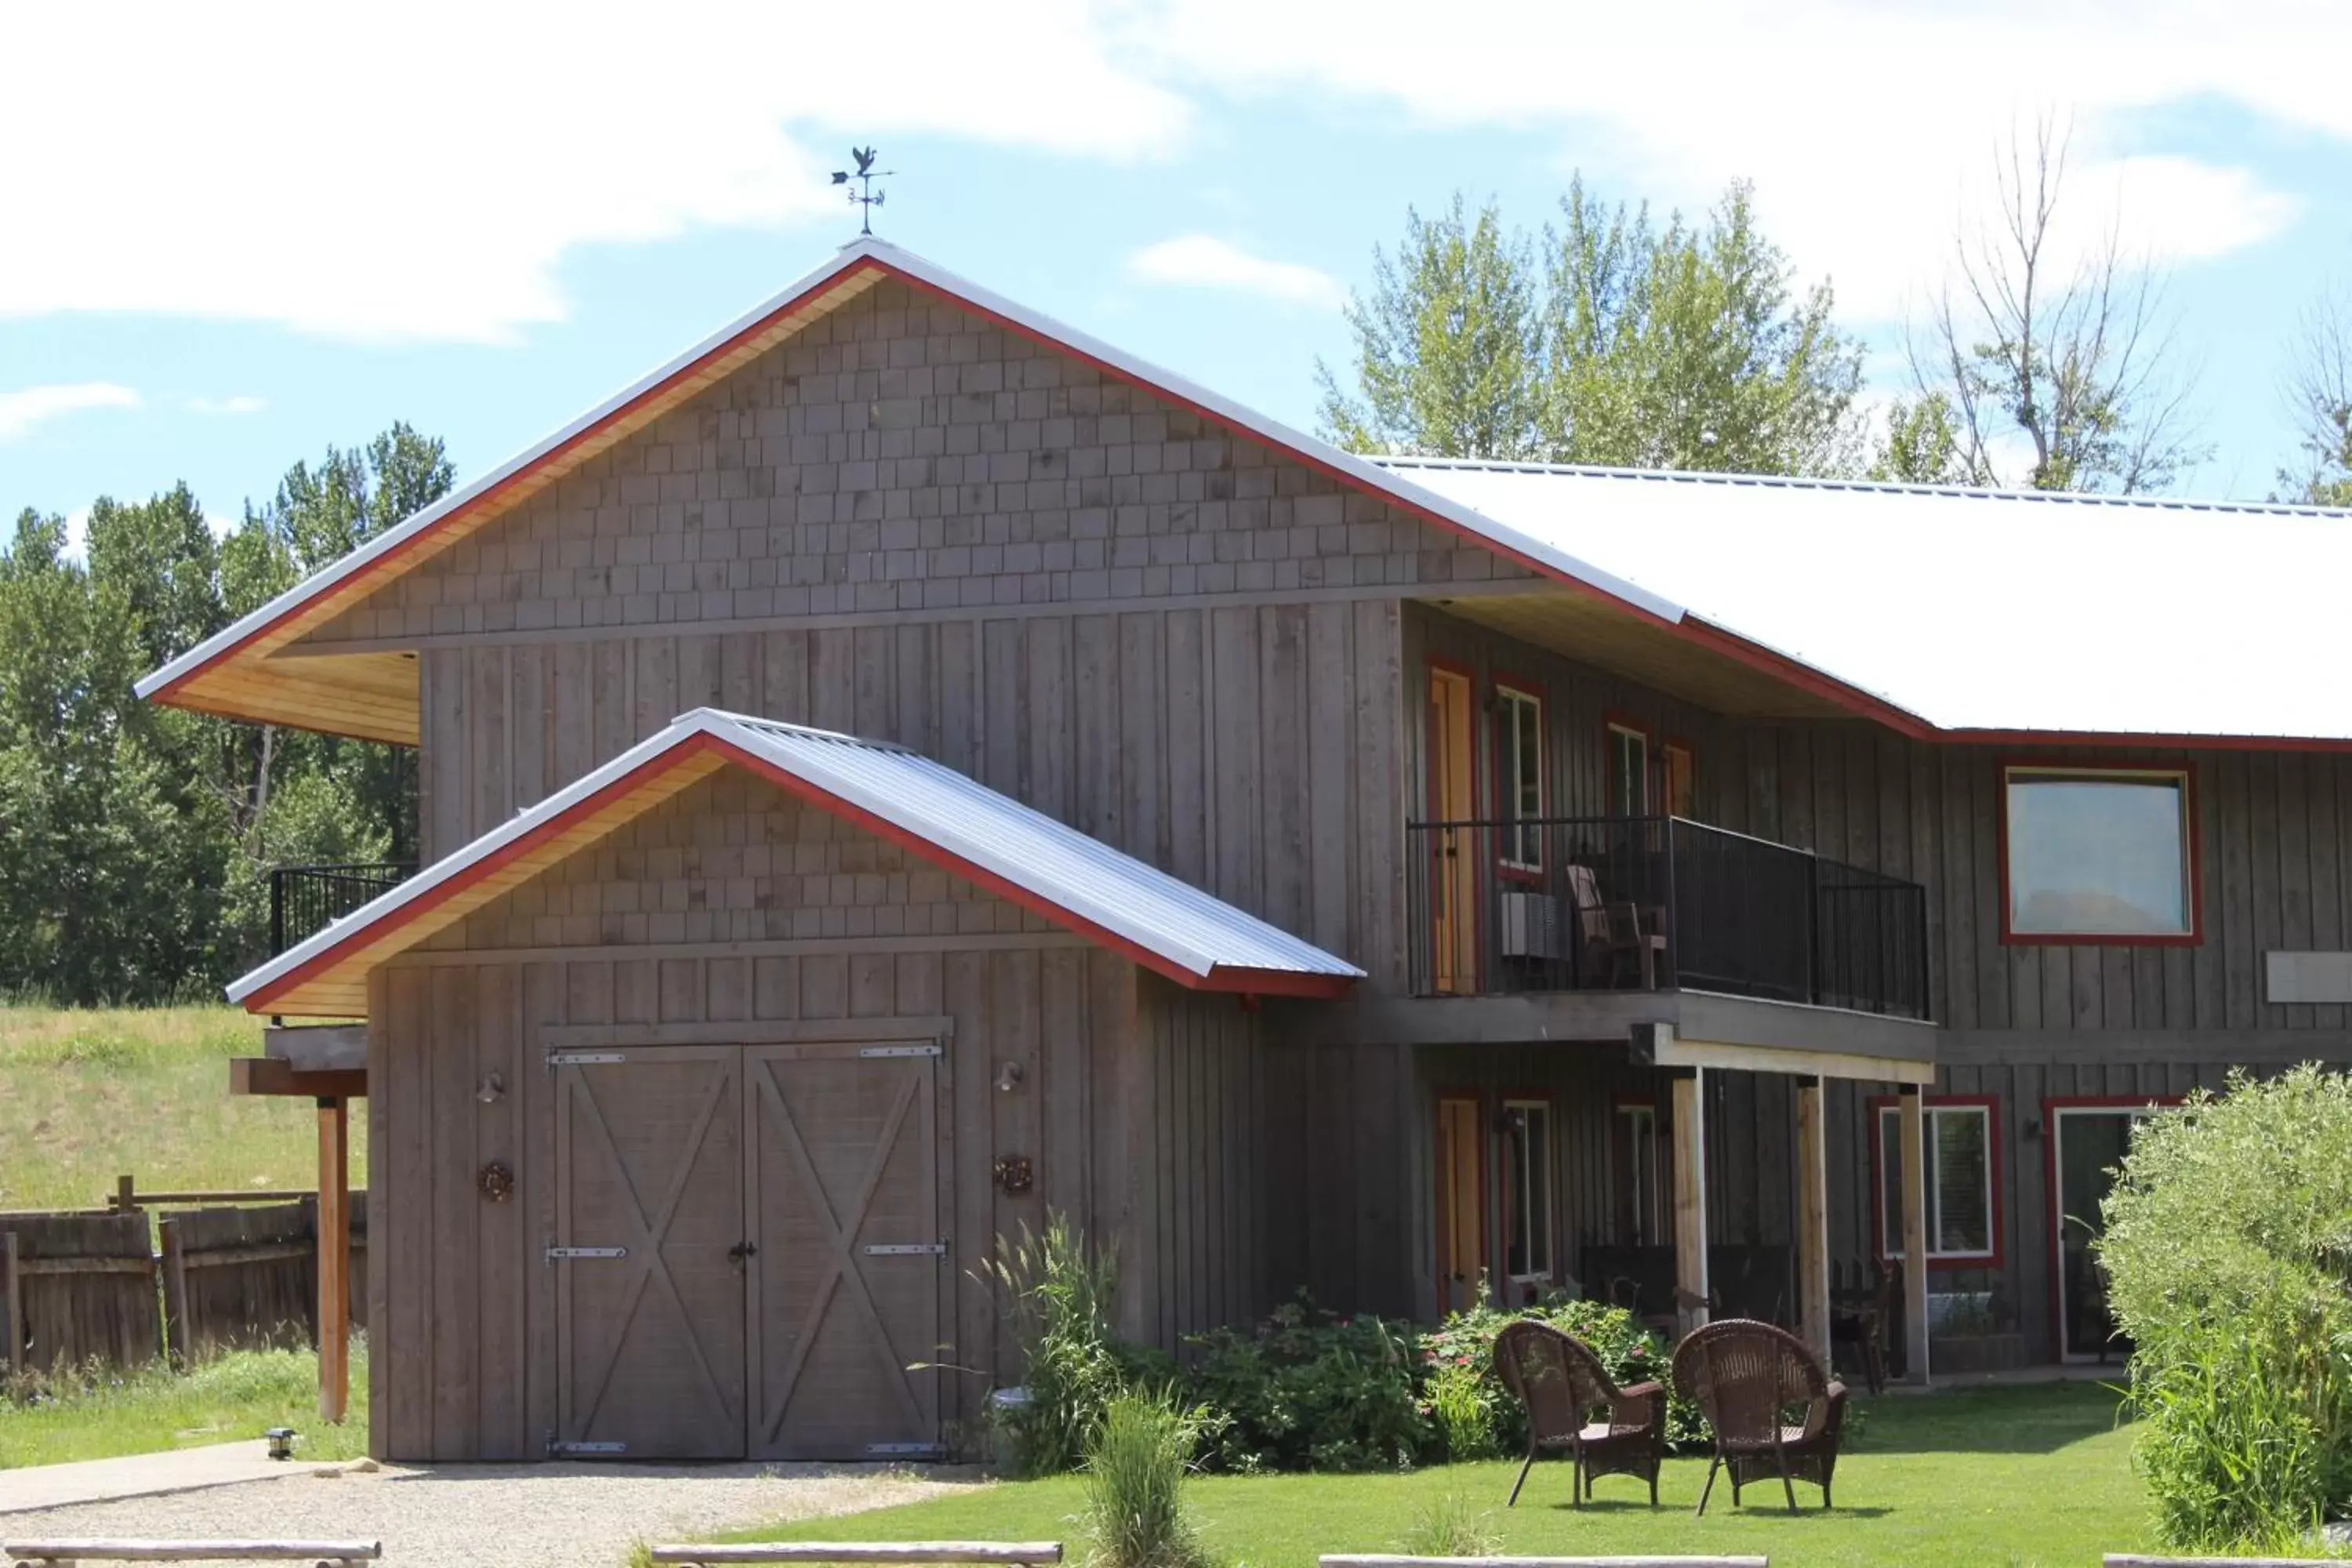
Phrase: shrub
(1137, 1457)
(1461, 1402)
(2229, 1248)
(1307, 1389)
(1057, 1292)
(1449, 1526)
(1631, 1352)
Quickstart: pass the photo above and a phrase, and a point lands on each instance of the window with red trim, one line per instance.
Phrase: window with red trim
(1519, 776)
(1963, 1215)
(2098, 853)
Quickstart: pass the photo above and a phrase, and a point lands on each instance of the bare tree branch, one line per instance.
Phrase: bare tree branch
(2083, 373)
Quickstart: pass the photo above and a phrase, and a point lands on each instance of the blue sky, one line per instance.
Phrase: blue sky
(482, 223)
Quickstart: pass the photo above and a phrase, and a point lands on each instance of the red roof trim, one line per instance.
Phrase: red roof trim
(1222, 977)
(490, 496)
(435, 897)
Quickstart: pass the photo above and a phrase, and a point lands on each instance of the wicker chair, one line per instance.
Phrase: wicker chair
(1744, 1376)
(1560, 1382)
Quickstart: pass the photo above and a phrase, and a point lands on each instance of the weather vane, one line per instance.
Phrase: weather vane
(865, 196)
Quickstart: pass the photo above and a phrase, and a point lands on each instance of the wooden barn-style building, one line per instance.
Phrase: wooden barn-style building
(905, 767)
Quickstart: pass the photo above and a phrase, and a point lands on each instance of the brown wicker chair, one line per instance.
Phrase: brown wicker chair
(1744, 1376)
(1560, 1382)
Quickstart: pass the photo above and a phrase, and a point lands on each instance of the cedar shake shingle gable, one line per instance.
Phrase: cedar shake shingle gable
(346, 683)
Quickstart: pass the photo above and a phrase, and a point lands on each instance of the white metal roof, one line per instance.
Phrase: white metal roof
(1173, 926)
(1977, 609)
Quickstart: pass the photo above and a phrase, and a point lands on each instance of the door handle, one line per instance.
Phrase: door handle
(740, 1251)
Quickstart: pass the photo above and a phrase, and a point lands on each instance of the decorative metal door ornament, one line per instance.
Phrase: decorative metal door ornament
(496, 1182)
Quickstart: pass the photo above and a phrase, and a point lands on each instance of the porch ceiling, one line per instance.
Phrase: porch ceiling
(1585, 627)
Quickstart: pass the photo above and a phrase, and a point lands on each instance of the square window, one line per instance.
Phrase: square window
(2098, 853)
(1959, 1190)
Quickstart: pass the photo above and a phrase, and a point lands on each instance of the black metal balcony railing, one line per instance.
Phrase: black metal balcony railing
(1636, 902)
(304, 898)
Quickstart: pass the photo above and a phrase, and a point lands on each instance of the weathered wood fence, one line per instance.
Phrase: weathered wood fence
(77, 1288)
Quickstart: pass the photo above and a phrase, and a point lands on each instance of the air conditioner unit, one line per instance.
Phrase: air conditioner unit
(1530, 926)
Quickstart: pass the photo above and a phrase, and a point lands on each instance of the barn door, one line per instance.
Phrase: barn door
(849, 1257)
(649, 1219)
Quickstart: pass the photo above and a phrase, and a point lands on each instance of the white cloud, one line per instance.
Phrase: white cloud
(419, 171)
(20, 411)
(236, 403)
(1204, 261)
(1866, 125)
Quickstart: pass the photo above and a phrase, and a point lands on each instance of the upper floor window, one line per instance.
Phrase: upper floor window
(1629, 770)
(1519, 733)
(2099, 853)
(1958, 1195)
(1682, 777)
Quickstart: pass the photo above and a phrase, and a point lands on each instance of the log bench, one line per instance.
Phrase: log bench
(324, 1554)
(1025, 1552)
(1358, 1559)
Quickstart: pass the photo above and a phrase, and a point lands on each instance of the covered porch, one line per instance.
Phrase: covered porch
(1683, 1155)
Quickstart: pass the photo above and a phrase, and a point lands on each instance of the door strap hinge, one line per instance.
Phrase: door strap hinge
(587, 1448)
(905, 1450)
(933, 1050)
(584, 1058)
(907, 1249)
(557, 1253)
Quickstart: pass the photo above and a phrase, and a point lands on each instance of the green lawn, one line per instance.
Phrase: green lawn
(92, 1094)
(2017, 1478)
(237, 1395)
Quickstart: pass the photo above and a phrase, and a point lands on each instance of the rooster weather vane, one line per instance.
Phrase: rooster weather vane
(865, 196)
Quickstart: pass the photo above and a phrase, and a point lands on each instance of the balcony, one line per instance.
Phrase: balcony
(305, 899)
(1618, 903)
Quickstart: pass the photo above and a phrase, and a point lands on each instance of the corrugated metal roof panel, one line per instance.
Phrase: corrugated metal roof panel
(1977, 609)
(1046, 865)
(1052, 859)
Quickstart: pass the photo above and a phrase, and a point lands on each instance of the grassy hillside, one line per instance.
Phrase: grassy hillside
(89, 1095)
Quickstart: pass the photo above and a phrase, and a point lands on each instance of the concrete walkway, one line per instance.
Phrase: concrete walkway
(36, 1487)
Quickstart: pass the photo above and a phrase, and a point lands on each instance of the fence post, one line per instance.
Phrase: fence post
(11, 1303)
(177, 1343)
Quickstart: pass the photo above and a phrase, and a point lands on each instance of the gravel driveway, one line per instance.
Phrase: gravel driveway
(498, 1516)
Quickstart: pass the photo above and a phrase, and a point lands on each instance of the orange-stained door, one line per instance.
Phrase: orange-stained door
(1461, 1167)
(1453, 876)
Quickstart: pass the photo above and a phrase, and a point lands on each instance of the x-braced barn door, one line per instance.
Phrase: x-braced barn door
(845, 1279)
(649, 1227)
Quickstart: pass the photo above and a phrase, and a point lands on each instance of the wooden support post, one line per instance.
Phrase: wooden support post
(12, 1305)
(1690, 1200)
(1813, 1218)
(334, 1260)
(1913, 1118)
(176, 1343)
